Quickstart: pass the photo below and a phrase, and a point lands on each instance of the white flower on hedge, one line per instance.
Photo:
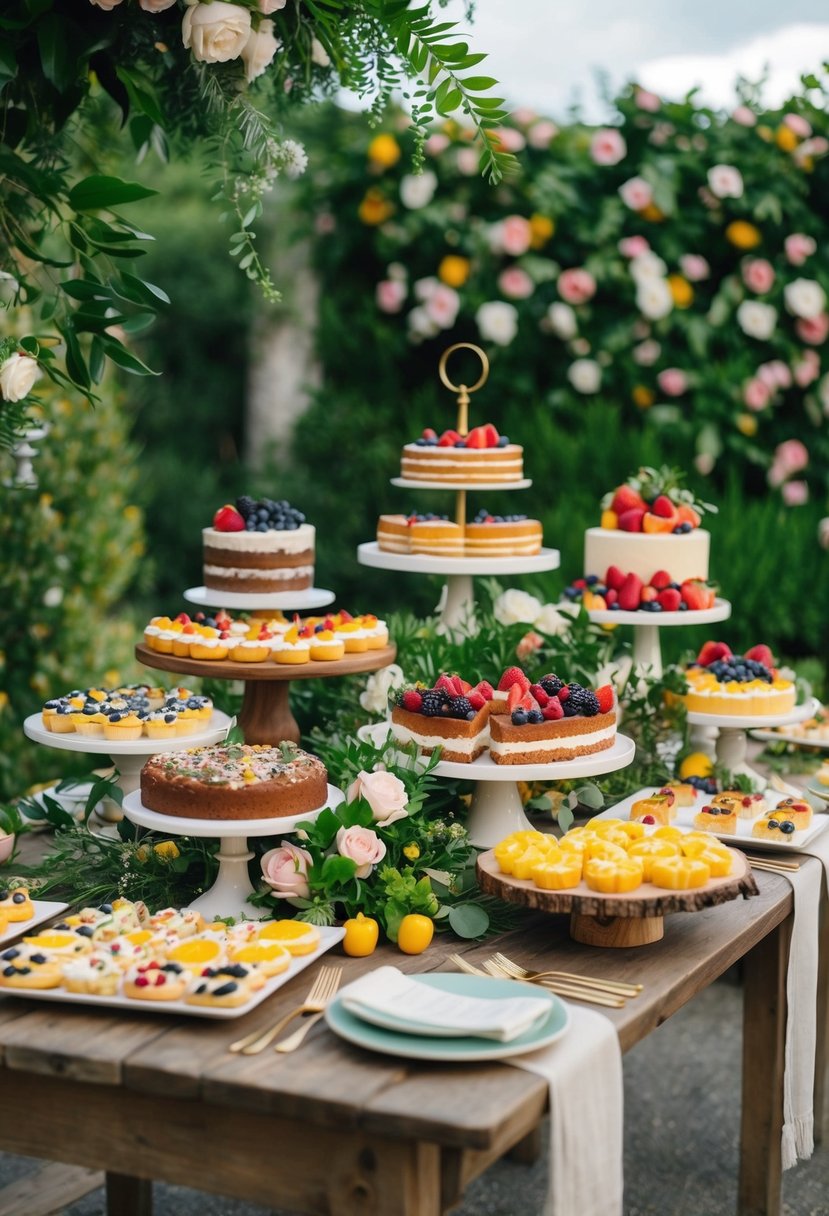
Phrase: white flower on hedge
(53, 596)
(725, 181)
(424, 289)
(757, 320)
(417, 189)
(293, 156)
(562, 320)
(552, 622)
(319, 55)
(421, 325)
(375, 697)
(155, 6)
(647, 266)
(823, 532)
(257, 56)
(216, 32)
(647, 352)
(497, 322)
(516, 607)
(653, 298)
(17, 376)
(616, 673)
(585, 375)
(805, 298)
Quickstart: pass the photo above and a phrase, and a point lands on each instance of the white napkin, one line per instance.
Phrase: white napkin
(388, 993)
(584, 1071)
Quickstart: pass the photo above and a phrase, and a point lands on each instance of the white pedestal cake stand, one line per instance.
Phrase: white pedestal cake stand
(312, 597)
(129, 756)
(457, 610)
(732, 740)
(647, 650)
(497, 809)
(230, 893)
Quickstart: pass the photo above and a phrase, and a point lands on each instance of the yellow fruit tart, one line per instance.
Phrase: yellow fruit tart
(557, 873)
(354, 635)
(658, 809)
(89, 725)
(196, 952)
(226, 987)
(254, 648)
(182, 641)
(684, 794)
(293, 648)
(716, 819)
(96, 974)
(270, 958)
(378, 633)
(22, 967)
(651, 850)
(613, 877)
(16, 904)
(123, 726)
(156, 981)
(796, 809)
(59, 942)
(327, 646)
(776, 825)
(680, 873)
(295, 935)
(161, 724)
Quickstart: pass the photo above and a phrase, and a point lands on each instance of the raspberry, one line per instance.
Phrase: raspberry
(412, 700)
(476, 699)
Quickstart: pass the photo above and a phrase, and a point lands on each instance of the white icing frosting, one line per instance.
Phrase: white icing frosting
(286, 572)
(683, 556)
(297, 541)
(566, 743)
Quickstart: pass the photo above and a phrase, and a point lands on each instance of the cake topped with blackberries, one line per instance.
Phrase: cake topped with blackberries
(551, 720)
(258, 545)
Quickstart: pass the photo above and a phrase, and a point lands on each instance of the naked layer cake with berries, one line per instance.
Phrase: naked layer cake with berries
(551, 721)
(720, 682)
(487, 536)
(258, 546)
(236, 781)
(452, 715)
(482, 456)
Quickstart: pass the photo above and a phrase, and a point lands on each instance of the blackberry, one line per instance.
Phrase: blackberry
(461, 708)
(245, 506)
(434, 702)
(582, 701)
(551, 684)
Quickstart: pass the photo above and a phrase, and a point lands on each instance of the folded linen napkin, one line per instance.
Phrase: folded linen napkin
(584, 1071)
(389, 994)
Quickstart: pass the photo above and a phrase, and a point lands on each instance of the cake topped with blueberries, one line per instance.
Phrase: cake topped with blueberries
(258, 545)
(481, 456)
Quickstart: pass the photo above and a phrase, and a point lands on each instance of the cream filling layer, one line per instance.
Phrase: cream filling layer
(297, 541)
(282, 574)
(465, 747)
(567, 743)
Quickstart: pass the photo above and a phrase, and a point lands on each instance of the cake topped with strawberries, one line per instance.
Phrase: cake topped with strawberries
(650, 524)
(721, 682)
(258, 545)
(481, 456)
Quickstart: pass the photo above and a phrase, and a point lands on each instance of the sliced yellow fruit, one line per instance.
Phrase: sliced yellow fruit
(650, 850)
(558, 875)
(607, 850)
(57, 940)
(667, 832)
(296, 936)
(613, 877)
(680, 873)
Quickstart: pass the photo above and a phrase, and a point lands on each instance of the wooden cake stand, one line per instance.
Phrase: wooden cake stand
(632, 919)
(266, 713)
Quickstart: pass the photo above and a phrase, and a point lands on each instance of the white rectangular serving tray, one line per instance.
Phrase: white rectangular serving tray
(742, 838)
(329, 936)
(44, 910)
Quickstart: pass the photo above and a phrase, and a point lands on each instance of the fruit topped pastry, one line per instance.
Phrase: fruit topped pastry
(453, 715)
(481, 456)
(258, 546)
(621, 592)
(126, 713)
(721, 682)
(653, 501)
(551, 720)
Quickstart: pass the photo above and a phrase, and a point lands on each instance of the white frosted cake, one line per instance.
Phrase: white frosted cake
(684, 556)
(258, 547)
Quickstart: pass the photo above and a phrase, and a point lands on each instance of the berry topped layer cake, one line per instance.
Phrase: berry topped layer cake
(741, 685)
(480, 457)
(487, 536)
(238, 781)
(502, 536)
(453, 715)
(551, 720)
(258, 546)
(650, 524)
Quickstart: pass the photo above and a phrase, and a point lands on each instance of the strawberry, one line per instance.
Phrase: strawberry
(614, 578)
(647, 595)
(476, 438)
(630, 594)
(345, 617)
(661, 580)
(611, 596)
(429, 433)
(476, 699)
(465, 686)
(553, 710)
(448, 439)
(540, 695)
(761, 654)
(485, 689)
(412, 700)
(223, 621)
(631, 521)
(670, 599)
(604, 696)
(514, 695)
(697, 594)
(183, 618)
(627, 499)
(711, 651)
(228, 519)
(491, 435)
(446, 683)
(513, 675)
(663, 507)
(528, 701)
(265, 634)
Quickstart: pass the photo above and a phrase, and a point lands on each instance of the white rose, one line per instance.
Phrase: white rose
(266, 7)
(585, 375)
(17, 376)
(647, 352)
(516, 607)
(647, 266)
(319, 55)
(375, 698)
(424, 289)
(653, 298)
(616, 673)
(417, 189)
(497, 322)
(725, 181)
(155, 6)
(562, 320)
(421, 325)
(551, 621)
(756, 320)
(259, 50)
(216, 32)
(805, 298)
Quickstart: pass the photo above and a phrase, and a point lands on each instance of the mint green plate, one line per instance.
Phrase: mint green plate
(455, 1050)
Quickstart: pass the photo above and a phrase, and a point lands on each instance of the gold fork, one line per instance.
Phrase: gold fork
(322, 989)
(576, 992)
(293, 1040)
(616, 987)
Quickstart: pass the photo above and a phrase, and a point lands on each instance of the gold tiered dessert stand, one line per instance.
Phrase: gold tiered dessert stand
(457, 605)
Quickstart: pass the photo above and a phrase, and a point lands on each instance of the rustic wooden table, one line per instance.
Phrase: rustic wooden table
(335, 1131)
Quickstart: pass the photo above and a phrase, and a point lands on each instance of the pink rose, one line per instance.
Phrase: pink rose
(442, 306)
(814, 330)
(515, 283)
(791, 456)
(647, 101)
(385, 794)
(467, 161)
(156, 6)
(797, 123)
(541, 134)
(725, 181)
(286, 870)
(758, 275)
(704, 463)
(775, 374)
(528, 645)
(756, 394)
(807, 368)
(795, 493)
(744, 116)
(647, 352)
(672, 381)
(362, 845)
(633, 246)
(390, 295)
(608, 147)
(509, 139)
(576, 286)
(799, 247)
(106, 5)
(436, 143)
(523, 115)
(694, 267)
(636, 193)
(515, 235)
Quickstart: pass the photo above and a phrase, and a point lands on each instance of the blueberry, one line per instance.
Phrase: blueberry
(678, 530)
(615, 607)
(675, 586)
(431, 443)
(261, 528)
(262, 513)
(461, 443)
(535, 716)
(592, 579)
(683, 607)
(250, 526)
(656, 606)
(572, 593)
(421, 443)
(519, 717)
(786, 827)
(503, 441)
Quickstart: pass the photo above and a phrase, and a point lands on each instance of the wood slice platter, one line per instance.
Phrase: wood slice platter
(226, 669)
(631, 919)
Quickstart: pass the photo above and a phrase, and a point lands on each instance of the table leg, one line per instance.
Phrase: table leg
(128, 1196)
(265, 716)
(764, 1030)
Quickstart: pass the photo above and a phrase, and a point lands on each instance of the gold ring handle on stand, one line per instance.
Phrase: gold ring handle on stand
(463, 392)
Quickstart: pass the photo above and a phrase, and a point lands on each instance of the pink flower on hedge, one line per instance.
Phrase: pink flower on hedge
(509, 139)
(633, 246)
(756, 394)
(576, 286)
(515, 283)
(436, 143)
(524, 115)
(774, 374)
(286, 870)
(542, 133)
(758, 275)
(468, 161)
(807, 368)
(390, 294)
(636, 193)
(823, 533)
(795, 493)
(799, 247)
(608, 147)
(814, 330)
(513, 235)
(647, 352)
(442, 306)
(647, 100)
(725, 181)
(695, 267)
(797, 123)
(363, 846)
(528, 645)
(789, 457)
(672, 381)
(744, 116)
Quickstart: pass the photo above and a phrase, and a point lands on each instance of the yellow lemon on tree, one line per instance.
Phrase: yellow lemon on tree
(541, 229)
(697, 764)
(415, 933)
(375, 207)
(454, 270)
(384, 150)
(743, 235)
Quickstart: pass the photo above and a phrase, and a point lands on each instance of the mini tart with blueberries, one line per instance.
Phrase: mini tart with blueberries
(774, 826)
(716, 819)
(747, 806)
(156, 981)
(270, 958)
(796, 809)
(22, 967)
(16, 904)
(226, 987)
(96, 974)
